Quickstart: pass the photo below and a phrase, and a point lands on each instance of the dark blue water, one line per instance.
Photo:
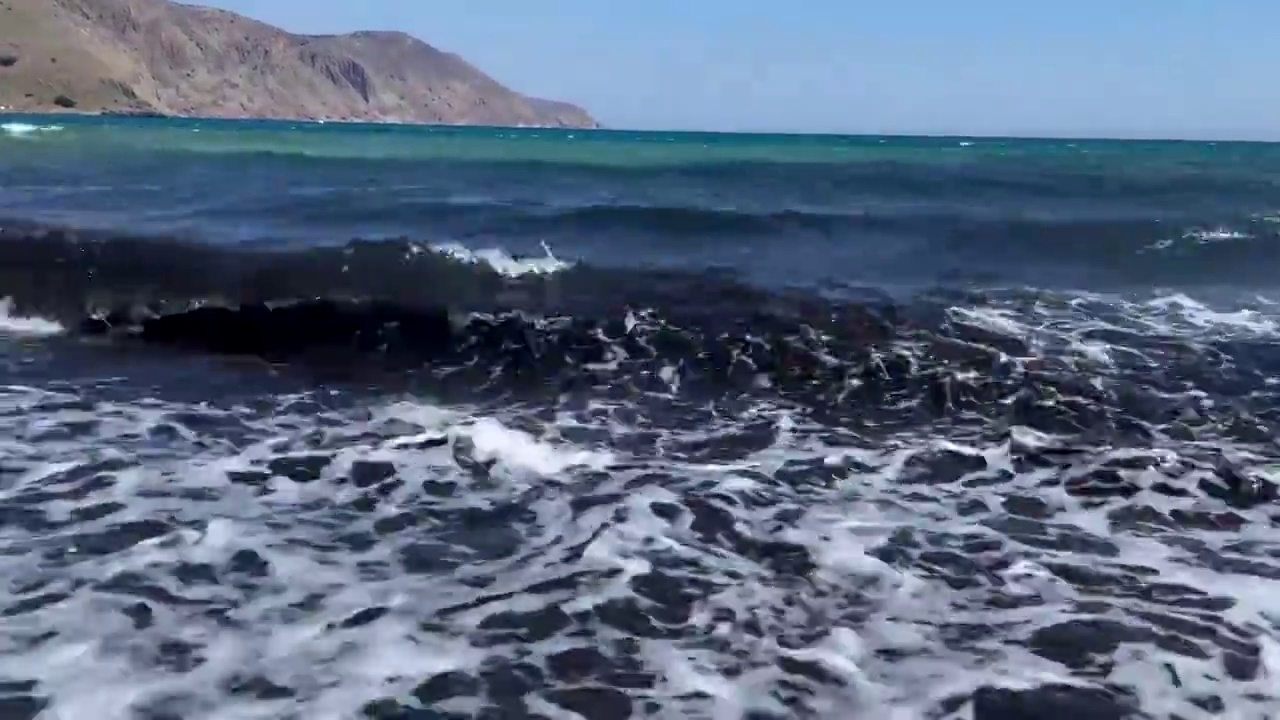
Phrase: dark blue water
(303, 421)
(784, 209)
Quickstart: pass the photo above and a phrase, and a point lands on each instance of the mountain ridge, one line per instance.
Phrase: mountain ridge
(162, 57)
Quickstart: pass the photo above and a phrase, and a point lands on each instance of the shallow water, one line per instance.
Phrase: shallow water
(648, 425)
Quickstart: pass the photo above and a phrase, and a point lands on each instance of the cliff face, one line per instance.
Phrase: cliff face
(160, 56)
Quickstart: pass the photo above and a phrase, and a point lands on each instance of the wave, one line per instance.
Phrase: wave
(71, 274)
(375, 305)
(13, 324)
(502, 262)
(17, 129)
(463, 326)
(62, 272)
(909, 246)
(983, 229)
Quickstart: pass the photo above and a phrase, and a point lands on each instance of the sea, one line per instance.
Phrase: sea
(303, 421)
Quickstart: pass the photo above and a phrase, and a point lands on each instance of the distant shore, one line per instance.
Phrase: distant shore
(152, 114)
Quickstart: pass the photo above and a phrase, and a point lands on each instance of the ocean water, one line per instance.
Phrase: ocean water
(340, 421)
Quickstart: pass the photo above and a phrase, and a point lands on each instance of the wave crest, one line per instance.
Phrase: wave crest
(18, 129)
(465, 325)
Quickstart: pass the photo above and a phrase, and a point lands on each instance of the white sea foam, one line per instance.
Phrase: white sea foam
(1201, 236)
(1215, 235)
(101, 666)
(17, 129)
(11, 324)
(921, 588)
(503, 262)
(1184, 310)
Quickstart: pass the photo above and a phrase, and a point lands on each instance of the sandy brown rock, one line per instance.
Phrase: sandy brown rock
(163, 57)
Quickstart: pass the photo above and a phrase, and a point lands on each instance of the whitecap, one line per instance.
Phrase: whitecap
(12, 324)
(17, 129)
(502, 262)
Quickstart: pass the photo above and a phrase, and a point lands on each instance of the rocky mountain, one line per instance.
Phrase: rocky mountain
(157, 56)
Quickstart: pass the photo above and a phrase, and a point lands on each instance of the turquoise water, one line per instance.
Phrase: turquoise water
(787, 209)
(603, 147)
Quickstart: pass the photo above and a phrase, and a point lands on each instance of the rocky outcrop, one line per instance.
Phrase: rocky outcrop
(156, 56)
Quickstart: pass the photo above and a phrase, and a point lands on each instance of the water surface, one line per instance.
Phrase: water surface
(330, 421)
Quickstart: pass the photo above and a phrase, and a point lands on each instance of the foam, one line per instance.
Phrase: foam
(797, 548)
(85, 670)
(17, 129)
(502, 262)
(521, 451)
(1184, 310)
(11, 324)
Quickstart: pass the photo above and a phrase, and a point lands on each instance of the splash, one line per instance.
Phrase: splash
(12, 323)
(26, 129)
(504, 263)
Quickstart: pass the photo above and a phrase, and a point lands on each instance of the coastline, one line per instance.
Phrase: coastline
(54, 111)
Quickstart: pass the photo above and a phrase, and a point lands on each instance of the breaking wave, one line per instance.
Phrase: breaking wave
(17, 129)
(473, 483)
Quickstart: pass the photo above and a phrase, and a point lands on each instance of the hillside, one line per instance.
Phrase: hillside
(162, 57)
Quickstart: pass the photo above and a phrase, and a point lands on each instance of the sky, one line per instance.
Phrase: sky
(1078, 68)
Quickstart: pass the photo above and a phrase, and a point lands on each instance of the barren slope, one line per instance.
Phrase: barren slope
(155, 55)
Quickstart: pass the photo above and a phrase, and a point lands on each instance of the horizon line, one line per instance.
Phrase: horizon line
(943, 135)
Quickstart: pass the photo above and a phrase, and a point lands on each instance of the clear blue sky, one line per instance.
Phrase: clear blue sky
(1121, 68)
